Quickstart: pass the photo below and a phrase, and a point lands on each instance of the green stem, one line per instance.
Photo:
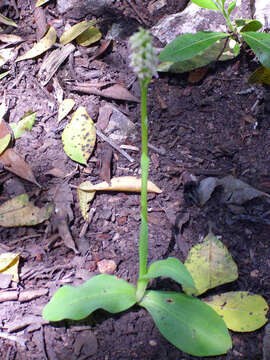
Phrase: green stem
(143, 243)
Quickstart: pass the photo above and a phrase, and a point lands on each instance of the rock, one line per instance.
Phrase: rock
(106, 266)
(82, 8)
(194, 19)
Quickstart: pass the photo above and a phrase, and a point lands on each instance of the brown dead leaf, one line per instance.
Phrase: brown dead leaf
(41, 22)
(197, 75)
(104, 46)
(5, 135)
(14, 163)
(116, 91)
(106, 155)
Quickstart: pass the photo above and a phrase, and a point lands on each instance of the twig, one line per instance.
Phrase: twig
(116, 147)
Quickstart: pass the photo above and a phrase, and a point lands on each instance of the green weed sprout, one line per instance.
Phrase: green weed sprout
(187, 322)
(190, 51)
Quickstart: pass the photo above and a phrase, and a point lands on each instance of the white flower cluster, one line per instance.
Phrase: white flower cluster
(143, 57)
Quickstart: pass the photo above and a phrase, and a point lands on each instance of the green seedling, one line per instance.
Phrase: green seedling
(191, 51)
(187, 322)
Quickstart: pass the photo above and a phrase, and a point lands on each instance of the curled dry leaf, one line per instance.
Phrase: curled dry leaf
(123, 183)
(14, 163)
(39, 48)
(19, 211)
(89, 36)
(64, 108)
(84, 199)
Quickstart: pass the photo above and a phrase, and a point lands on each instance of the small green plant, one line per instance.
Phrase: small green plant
(190, 51)
(187, 322)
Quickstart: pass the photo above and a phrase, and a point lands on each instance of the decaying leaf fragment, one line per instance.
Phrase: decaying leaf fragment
(19, 211)
(51, 64)
(14, 163)
(123, 183)
(235, 191)
(43, 45)
(79, 136)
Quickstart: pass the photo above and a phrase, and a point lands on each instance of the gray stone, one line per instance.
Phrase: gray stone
(81, 8)
(194, 19)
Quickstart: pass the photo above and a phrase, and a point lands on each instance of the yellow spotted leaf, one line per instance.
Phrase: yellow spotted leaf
(210, 264)
(43, 45)
(89, 36)
(64, 108)
(19, 211)
(79, 136)
(241, 310)
(260, 76)
(84, 199)
(9, 265)
(76, 30)
(123, 183)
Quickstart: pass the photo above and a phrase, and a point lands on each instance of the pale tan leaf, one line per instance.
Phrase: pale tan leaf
(10, 38)
(84, 199)
(7, 21)
(6, 55)
(123, 183)
(43, 45)
(5, 135)
(41, 2)
(9, 265)
(89, 36)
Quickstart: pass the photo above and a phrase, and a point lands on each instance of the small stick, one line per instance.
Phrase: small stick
(116, 147)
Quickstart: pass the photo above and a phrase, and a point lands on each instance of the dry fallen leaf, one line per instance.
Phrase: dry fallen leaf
(123, 183)
(14, 163)
(5, 136)
(20, 212)
(84, 199)
(64, 108)
(9, 265)
(43, 45)
(75, 31)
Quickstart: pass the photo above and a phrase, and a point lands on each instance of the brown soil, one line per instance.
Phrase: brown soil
(204, 129)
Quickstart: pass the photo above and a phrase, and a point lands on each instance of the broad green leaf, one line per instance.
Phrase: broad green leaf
(43, 45)
(187, 46)
(41, 2)
(171, 268)
(210, 264)
(89, 36)
(241, 310)
(4, 74)
(231, 7)
(84, 199)
(79, 136)
(260, 76)
(207, 4)
(20, 212)
(252, 25)
(25, 124)
(187, 323)
(75, 31)
(64, 108)
(204, 58)
(100, 292)
(7, 21)
(260, 44)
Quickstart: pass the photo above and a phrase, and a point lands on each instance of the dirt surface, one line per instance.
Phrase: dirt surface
(211, 128)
